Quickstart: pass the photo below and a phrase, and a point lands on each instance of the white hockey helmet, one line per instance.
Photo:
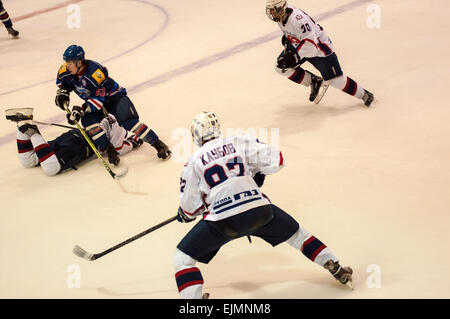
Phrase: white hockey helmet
(204, 127)
(276, 9)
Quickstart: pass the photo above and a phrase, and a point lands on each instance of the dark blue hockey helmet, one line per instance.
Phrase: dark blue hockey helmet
(73, 52)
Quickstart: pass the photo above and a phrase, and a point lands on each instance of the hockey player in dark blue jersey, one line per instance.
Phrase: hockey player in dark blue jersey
(4, 17)
(91, 82)
(65, 151)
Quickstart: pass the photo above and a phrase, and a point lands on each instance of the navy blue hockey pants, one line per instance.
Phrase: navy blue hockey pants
(204, 240)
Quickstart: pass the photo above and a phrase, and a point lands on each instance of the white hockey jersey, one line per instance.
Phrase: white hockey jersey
(218, 177)
(308, 38)
(116, 134)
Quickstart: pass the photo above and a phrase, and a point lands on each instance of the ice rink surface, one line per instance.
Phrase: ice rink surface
(372, 183)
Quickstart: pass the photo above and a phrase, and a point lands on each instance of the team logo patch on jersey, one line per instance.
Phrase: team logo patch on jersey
(98, 76)
(62, 69)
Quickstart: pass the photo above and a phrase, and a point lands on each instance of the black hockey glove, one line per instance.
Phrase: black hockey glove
(76, 115)
(284, 40)
(289, 58)
(259, 179)
(113, 155)
(62, 97)
(182, 217)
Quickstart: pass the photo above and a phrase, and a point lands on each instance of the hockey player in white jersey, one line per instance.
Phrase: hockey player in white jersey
(68, 149)
(221, 181)
(306, 41)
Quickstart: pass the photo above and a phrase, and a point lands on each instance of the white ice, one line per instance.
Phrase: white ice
(371, 183)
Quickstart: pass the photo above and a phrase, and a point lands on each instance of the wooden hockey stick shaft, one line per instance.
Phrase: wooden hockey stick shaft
(83, 254)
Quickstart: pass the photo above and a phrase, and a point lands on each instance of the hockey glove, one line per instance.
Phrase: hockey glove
(259, 179)
(113, 155)
(284, 40)
(76, 115)
(62, 97)
(288, 59)
(182, 217)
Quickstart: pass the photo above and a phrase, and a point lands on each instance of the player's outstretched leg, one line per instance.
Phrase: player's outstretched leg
(319, 253)
(126, 114)
(4, 17)
(352, 88)
(143, 132)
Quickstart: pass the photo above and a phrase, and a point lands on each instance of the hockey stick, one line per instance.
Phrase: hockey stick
(53, 124)
(83, 132)
(80, 252)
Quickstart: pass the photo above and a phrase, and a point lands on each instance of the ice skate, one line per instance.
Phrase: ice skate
(19, 114)
(205, 295)
(13, 33)
(316, 83)
(323, 90)
(163, 150)
(368, 98)
(343, 275)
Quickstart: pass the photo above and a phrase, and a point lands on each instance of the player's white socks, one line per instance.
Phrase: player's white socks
(47, 157)
(311, 247)
(349, 86)
(189, 279)
(298, 75)
(27, 155)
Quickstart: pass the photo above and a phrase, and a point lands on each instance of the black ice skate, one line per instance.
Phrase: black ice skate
(13, 33)
(316, 83)
(162, 149)
(368, 98)
(19, 114)
(343, 275)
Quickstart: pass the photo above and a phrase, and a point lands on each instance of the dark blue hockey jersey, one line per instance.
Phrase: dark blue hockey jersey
(93, 85)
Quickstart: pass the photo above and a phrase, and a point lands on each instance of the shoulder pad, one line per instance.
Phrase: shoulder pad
(62, 69)
(98, 76)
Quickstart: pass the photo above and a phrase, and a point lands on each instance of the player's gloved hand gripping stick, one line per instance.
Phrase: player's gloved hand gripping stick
(118, 175)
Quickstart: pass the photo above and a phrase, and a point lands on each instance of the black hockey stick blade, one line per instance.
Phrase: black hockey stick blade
(121, 174)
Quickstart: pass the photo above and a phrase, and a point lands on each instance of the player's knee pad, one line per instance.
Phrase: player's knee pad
(28, 159)
(298, 238)
(182, 261)
(51, 166)
(338, 82)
